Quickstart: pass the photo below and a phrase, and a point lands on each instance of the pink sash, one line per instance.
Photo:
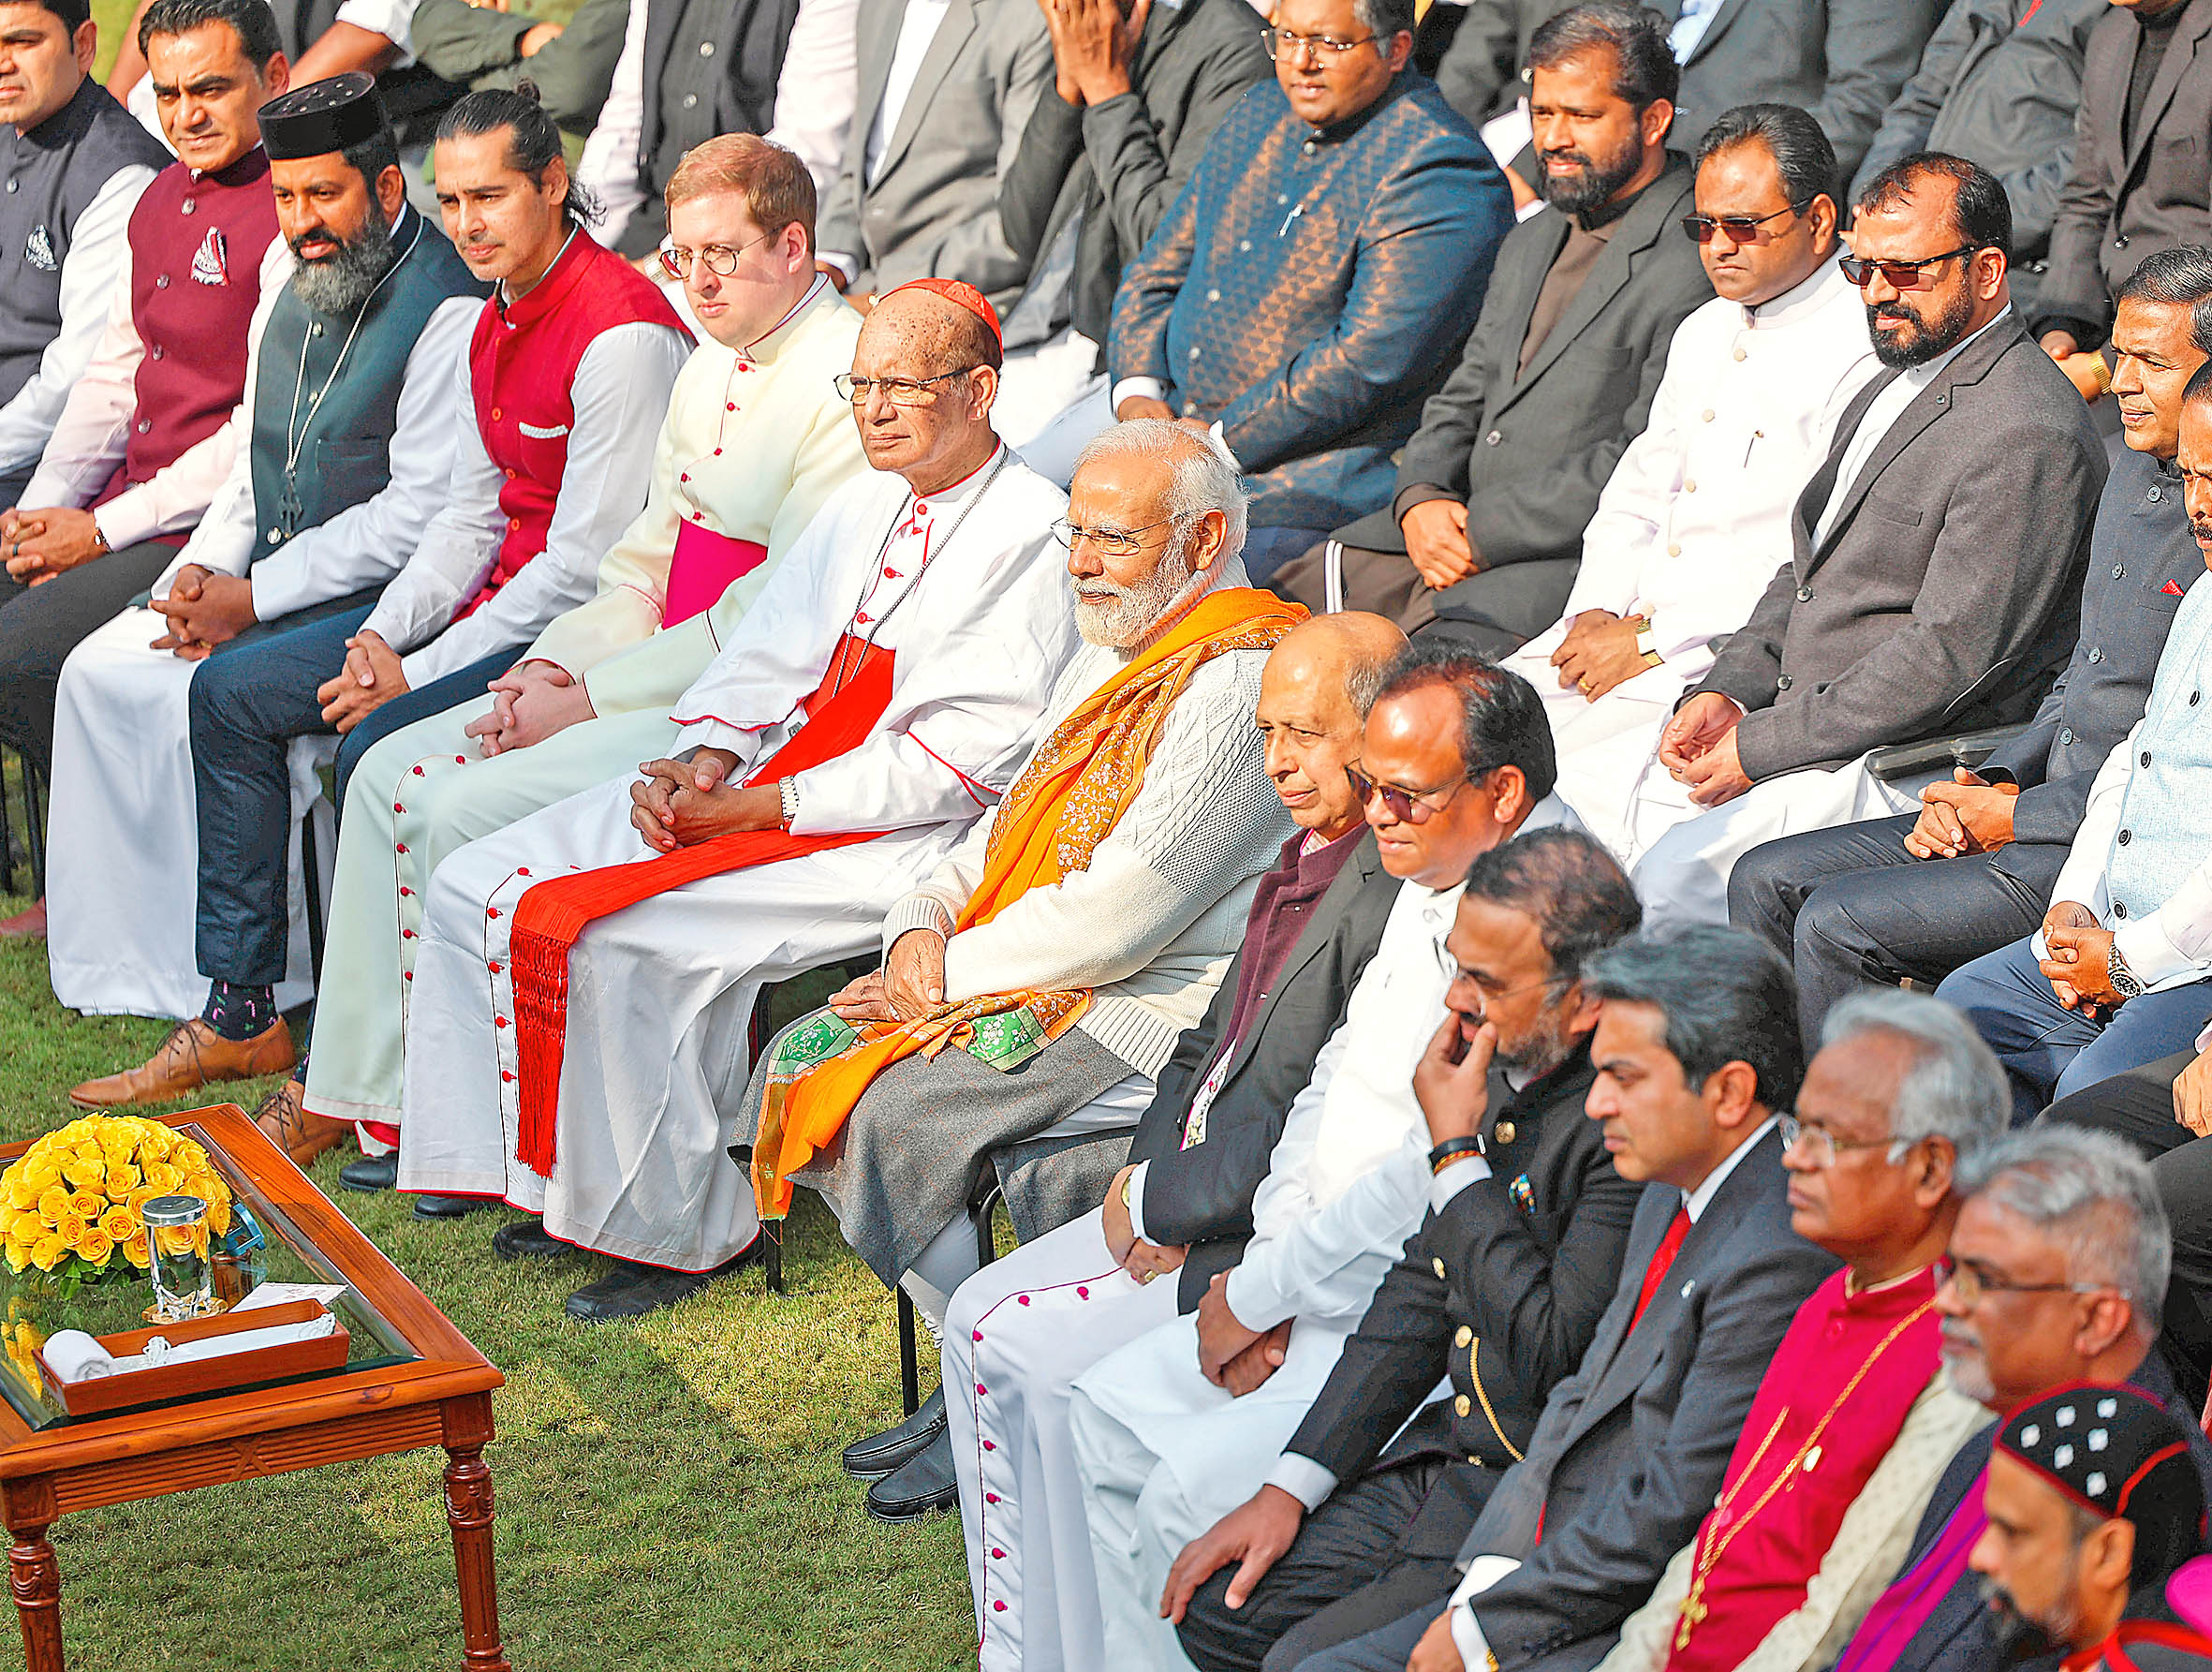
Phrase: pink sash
(703, 567)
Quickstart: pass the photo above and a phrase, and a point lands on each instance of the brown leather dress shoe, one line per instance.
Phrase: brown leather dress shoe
(288, 1126)
(194, 1055)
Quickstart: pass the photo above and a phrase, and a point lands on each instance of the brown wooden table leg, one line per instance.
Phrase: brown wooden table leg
(35, 1574)
(469, 1507)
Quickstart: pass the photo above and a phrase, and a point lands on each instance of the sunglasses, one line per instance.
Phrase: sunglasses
(1741, 228)
(1408, 806)
(1901, 275)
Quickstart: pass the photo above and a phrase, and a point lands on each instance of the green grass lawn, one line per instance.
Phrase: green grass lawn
(668, 1490)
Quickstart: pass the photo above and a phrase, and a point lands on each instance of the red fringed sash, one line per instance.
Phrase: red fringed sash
(552, 914)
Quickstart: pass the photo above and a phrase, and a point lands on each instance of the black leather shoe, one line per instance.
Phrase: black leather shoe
(529, 1239)
(372, 1172)
(879, 1455)
(631, 1290)
(925, 1485)
(452, 1207)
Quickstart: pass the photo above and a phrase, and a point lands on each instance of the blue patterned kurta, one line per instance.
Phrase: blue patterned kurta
(1310, 288)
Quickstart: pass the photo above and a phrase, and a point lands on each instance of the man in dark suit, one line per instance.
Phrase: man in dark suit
(1842, 59)
(2058, 1268)
(1483, 533)
(1851, 903)
(1134, 102)
(1696, 1050)
(1500, 1291)
(2142, 178)
(1938, 566)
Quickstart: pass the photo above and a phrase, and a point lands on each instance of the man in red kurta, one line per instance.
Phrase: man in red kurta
(1852, 1422)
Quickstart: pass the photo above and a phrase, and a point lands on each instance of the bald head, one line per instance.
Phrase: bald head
(939, 335)
(1314, 695)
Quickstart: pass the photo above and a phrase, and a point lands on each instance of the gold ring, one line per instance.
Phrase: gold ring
(1146, 1277)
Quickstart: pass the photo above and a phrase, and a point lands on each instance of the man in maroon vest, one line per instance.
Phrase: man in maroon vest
(569, 373)
(142, 444)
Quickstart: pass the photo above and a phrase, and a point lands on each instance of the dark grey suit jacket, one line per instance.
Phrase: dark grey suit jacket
(1529, 455)
(1632, 1446)
(1202, 1197)
(1998, 84)
(933, 209)
(1947, 590)
(1120, 163)
(2123, 201)
(1843, 60)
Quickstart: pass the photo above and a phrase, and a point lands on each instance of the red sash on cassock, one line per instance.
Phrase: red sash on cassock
(552, 914)
(706, 565)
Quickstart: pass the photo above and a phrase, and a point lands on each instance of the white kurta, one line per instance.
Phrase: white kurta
(753, 446)
(1162, 1453)
(123, 829)
(1695, 520)
(659, 994)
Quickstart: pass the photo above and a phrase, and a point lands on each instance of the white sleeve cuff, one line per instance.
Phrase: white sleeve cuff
(916, 911)
(2150, 953)
(1473, 1169)
(1136, 1189)
(1152, 388)
(1467, 1636)
(1303, 1479)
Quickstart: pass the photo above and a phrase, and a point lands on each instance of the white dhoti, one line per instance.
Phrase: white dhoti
(123, 835)
(1688, 851)
(659, 999)
(1163, 1454)
(1607, 749)
(1018, 1333)
(415, 797)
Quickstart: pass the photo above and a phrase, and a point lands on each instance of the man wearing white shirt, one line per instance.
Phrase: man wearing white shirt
(350, 428)
(1696, 1052)
(1695, 518)
(1456, 758)
(144, 440)
(1935, 566)
(567, 376)
(2115, 978)
(74, 165)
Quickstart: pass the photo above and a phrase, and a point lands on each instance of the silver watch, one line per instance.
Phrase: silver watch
(2121, 978)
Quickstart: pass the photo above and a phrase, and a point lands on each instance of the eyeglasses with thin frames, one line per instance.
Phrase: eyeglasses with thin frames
(1902, 276)
(1822, 1147)
(1327, 49)
(1969, 1283)
(720, 259)
(1741, 228)
(1108, 542)
(900, 391)
(1408, 806)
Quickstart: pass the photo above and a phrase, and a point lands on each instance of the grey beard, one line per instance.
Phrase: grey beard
(336, 285)
(1135, 611)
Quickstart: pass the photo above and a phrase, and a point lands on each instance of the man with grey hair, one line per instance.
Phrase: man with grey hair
(1854, 1412)
(2059, 1265)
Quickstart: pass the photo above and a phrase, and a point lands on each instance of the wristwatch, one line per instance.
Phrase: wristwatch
(2118, 976)
(787, 799)
(1643, 646)
(1127, 1181)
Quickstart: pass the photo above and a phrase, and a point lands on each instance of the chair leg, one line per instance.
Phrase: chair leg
(35, 824)
(8, 867)
(909, 1364)
(311, 875)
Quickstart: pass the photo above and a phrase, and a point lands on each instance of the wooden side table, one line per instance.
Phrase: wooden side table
(442, 1397)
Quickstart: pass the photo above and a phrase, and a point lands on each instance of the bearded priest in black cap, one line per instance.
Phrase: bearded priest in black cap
(2092, 1504)
(350, 423)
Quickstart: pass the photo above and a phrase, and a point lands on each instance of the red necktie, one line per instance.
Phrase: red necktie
(1661, 1257)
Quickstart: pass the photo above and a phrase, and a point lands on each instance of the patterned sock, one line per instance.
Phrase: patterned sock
(238, 1011)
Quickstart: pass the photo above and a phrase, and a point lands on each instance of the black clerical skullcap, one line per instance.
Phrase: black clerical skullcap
(2116, 1453)
(322, 117)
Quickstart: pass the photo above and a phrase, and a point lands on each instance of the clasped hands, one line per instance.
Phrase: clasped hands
(677, 804)
(1699, 749)
(530, 701)
(1969, 815)
(38, 545)
(1598, 653)
(1143, 1260)
(203, 608)
(370, 679)
(2077, 959)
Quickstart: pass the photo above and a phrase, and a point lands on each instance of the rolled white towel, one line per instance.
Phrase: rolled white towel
(74, 1356)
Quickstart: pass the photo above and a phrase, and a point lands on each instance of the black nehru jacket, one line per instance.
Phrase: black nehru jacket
(1501, 1291)
(48, 178)
(1200, 1197)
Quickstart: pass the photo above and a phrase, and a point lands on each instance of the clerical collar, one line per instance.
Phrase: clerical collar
(763, 348)
(1696, 1201)
(1852, 1288)
(1806, 297)
(957, 493)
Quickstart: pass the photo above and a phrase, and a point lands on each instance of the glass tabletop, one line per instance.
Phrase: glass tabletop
(264, 1247)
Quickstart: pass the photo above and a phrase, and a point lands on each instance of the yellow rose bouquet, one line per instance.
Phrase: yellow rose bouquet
(70, 1205)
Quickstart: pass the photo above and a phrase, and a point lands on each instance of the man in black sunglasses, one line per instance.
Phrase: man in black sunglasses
(1936, 565)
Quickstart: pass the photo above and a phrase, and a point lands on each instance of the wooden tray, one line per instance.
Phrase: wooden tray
(203, 1376)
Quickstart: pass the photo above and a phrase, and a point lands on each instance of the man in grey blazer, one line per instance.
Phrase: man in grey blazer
(945, 89)
(1938, 558)
(2142, 177)
(1842, 59)
(1696, 1053)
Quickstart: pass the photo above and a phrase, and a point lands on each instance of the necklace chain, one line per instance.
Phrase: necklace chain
(296, 430)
